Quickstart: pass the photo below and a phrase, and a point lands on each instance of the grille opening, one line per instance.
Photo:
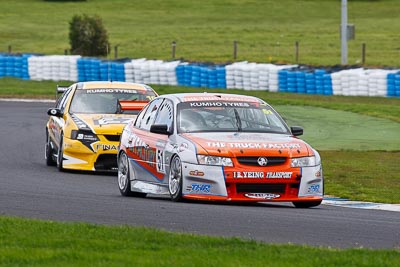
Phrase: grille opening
(260, 188)
(106, 162)
(253, 161)
(296, 186)
(112, 137)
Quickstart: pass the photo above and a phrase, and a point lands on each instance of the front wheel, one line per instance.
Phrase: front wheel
(307, 204)
(124, 177)
(49, 151)
(60, 154)
(175, 179)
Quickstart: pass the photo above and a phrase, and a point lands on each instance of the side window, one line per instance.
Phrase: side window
(62, 101)
(165, 114)
(150, 114)
(140, 116)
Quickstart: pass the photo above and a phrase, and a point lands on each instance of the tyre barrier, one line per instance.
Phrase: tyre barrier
(201, 75)
(348, 81)
(151, 71)
(14, 66)
(55, 68)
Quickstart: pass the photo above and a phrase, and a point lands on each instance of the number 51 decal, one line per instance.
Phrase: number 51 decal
(160, 161)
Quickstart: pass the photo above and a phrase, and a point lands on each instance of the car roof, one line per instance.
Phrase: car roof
(112, 85)
(188, 97)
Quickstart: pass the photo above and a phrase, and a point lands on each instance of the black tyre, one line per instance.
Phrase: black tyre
(307, 204)
(175, 179)
(49, 152)
(60, 154)
(124, 177)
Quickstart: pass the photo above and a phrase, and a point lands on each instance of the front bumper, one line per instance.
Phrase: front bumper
(204, 182)
(101, 157)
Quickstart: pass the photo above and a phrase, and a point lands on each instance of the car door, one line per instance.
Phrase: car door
(149, 147)
(56, 123)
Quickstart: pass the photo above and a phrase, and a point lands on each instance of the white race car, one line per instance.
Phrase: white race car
(220, 147)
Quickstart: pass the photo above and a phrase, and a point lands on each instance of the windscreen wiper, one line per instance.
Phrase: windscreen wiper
(238, 121)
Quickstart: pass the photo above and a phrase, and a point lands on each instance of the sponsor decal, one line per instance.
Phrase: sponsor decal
(248, 175)
(314, 188)
(111, 120)
(242, 145)
(196, 173)
(199, 188)
(80, 123)
(219, 104)
(261, 175)
(212, 98)
(110, 91)
(262, 195)
(106, 147)
(151, 157)
(143, 151)
(285, 175)
(183, 147)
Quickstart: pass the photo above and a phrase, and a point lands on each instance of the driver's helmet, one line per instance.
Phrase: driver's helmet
(191, 120)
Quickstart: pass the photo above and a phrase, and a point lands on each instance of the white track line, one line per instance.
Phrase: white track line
(27, 100)
(341, 202)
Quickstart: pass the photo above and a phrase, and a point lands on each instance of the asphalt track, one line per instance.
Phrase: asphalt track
(28, 188)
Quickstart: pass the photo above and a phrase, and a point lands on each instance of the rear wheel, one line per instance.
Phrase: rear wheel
(175, 179)
(49, 151)
(307, 204)
(124, 181)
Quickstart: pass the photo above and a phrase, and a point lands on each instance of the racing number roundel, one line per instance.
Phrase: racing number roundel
(160, 161)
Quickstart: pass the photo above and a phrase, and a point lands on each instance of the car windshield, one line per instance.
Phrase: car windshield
(105, 101)
(221, 116)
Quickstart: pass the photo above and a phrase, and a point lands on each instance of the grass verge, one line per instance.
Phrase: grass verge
(266, 31)
(380, 107)
(47, 243)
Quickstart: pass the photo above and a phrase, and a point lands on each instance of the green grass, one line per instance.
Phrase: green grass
(266, 30)
(67, 244)
(362, 175)
(328, 129)
(380, 107)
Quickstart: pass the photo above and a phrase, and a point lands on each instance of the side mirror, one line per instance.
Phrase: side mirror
(296, 130)
(160, 129)
(54, 112)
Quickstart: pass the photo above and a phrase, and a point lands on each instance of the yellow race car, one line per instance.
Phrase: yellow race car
(85, 126)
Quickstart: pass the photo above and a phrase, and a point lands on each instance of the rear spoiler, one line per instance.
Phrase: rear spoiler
(136, 105)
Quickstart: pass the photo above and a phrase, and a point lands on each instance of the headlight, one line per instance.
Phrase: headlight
(304, 162)
(84, 136)
(212, 160)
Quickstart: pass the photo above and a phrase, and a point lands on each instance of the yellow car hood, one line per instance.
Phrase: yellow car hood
(102, 123)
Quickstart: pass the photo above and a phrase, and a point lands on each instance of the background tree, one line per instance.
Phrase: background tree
(88, 36)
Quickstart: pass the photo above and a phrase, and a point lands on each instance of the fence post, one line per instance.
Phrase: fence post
(65, 51)
(173, 49)
(297, 51)
(363, 53)
(116, 51)
(235, 49)
(9, 49)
